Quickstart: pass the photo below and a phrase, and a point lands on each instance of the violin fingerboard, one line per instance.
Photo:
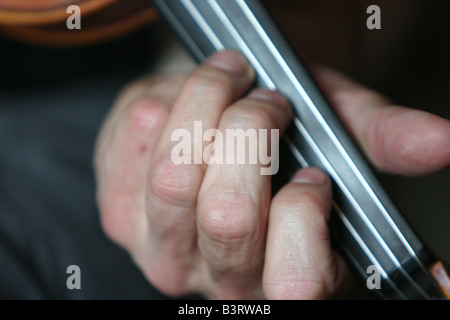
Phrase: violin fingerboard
(367, 227)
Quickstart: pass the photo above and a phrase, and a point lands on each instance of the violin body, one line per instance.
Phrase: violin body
(44, 22)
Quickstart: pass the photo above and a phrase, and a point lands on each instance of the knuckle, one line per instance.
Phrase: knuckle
(228, 217)
(146, 114)
(313, 201)
(310, 198)
(247, 114)
(209, 82)
(308, 206)
(174, 184)
(374, 134)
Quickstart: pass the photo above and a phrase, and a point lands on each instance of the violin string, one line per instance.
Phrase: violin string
(192, 10)
(235, 34)
(350, 228)
(355, 204)
(275, 53)
(242, 44)
(179, 28)
(294, 81)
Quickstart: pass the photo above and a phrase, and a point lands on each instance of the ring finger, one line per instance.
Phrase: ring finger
(235, 195)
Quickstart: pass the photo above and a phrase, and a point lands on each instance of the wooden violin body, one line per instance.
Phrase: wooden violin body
(44, 22)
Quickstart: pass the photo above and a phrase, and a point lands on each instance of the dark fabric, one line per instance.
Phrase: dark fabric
(52, 102)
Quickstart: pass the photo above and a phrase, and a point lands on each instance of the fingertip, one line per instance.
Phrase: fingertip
(232, 61)
(409, 142)
(310, 176)
(299, 262)
(271, 96)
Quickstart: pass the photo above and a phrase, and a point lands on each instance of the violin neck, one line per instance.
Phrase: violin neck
(368, 228)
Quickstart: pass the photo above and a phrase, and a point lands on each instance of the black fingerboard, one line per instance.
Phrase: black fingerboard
(366, 226)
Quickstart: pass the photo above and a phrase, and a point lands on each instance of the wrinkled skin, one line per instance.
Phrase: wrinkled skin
(216, 229)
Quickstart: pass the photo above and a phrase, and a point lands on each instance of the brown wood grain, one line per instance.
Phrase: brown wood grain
(33, 12)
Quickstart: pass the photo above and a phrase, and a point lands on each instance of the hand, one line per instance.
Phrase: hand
(214, 229)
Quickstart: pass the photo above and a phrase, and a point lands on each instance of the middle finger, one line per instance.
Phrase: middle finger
(234, 198)
(173, 186)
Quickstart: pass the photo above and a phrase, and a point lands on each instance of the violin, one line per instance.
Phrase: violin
(366, 225)
(44, 21)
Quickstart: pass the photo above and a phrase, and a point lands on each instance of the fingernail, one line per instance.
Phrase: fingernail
(269, 95)
(232, 61)
(310, 176)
